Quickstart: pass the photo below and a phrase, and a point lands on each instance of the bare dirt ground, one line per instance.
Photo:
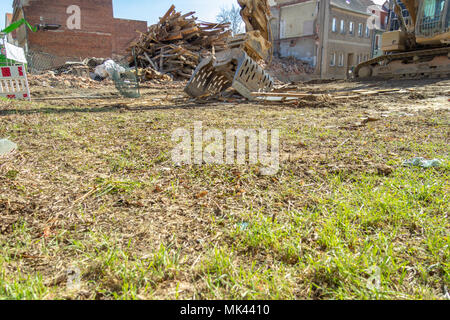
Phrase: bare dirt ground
(93, 188)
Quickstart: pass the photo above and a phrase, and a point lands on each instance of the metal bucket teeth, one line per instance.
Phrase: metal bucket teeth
(250, 77)
(215, 76)
(206, 80)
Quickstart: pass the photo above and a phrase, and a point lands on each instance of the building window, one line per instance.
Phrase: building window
(333, 59)
(351, 27)
(377, 41)
(342, 26)
(360, 30)
(341, 60)
(282, 29)
(334, 26)
(361, 58)
(367, 32)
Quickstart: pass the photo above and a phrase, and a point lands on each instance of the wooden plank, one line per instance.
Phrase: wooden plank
(177, 43)
(161, 61)
(168, 13)
(151, 61)
(174, 36)
(280, 94)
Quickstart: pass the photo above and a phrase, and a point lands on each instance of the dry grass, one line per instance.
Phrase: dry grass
(93, 186)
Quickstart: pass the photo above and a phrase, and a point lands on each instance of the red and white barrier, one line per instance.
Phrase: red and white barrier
(14, 83)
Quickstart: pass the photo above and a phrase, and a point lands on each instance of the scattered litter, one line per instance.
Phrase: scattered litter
(51, 80)
(107, 69)
(6, 147)
(446, 294)
(297, 97)
(243, 225)
(89, 73)
(422, 162)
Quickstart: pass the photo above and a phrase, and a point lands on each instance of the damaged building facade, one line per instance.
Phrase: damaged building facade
(333, 38)
(88, 29)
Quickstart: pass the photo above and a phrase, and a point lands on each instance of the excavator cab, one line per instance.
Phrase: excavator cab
(433, 21)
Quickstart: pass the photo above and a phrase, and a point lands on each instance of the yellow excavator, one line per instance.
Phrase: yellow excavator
(239, 66)
(421, 46)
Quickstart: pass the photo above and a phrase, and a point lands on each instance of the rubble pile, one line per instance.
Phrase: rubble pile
(51, 79)
(73, 68)
(176, 45)
(290, 66)
(77, 74)
(79, 68)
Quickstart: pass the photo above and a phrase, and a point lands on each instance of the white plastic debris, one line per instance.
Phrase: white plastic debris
(421, 162)
(6, 146)
(107, 69)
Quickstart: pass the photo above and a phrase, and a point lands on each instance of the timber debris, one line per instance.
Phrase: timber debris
(176, 44)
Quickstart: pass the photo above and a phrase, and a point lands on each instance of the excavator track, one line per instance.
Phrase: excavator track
(429, 63)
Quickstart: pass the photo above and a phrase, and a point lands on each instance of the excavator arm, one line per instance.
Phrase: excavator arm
(412, 6)
(15, 25)
(239, 65)
(256, 14)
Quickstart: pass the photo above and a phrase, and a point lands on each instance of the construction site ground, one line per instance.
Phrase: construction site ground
(92, 187)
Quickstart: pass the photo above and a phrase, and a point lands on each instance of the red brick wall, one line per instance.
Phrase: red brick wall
(100, 34)
(125, 33)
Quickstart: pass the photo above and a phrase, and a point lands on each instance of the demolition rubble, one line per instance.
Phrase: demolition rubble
(285, 67)
(169, 51)
(176, 45)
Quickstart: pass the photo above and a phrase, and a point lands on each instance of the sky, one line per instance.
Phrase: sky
(151, 10)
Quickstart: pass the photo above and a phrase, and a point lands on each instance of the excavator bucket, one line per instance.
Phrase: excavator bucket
(250, 77)
(206, 80)
(238, 67)
(231, 68)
